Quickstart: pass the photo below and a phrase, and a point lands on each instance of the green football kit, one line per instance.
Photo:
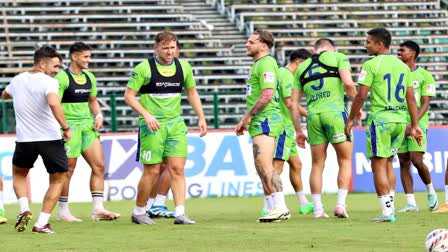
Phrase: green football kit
(318, 78)
(286, 144)
(388, 79)
(424, 85)
(263, 75)
(75, 91)
(160, 87)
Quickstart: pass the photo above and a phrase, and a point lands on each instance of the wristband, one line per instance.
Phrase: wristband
(65, 129)
(99, 115)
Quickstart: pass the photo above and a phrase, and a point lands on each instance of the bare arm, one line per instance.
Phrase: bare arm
(55, 106)
(5, 95)
(195, 102)
(358, 102)
(424, 107)
(349, 85)
(294, 107)
(130, 97)
(96, 110)
(260, 104)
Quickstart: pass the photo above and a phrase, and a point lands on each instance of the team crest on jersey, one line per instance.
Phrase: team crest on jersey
(415, 84)
(80, 80)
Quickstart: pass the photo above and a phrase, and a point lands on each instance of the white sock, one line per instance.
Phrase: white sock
(267, 203)
(386, 204)
(97, 201)
(179, 210)
(160, 200)
(301, 197)
(392, 194)
(139, 210)
(43, 219)
(23, 203)
(430, 188)
(410, 199)
(63, 206)
(317, 202)
(446, 193)
(342, 195)
(149, 203)
(278, 201)
(1, 200)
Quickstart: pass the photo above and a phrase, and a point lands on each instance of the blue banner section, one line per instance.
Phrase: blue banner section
(435, 159)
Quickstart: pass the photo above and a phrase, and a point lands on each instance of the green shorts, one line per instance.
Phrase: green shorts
(409, 145)
(270, 125)
(327, 127)
(169, 141)
(384, 140)
(285, 144)
(83, 137)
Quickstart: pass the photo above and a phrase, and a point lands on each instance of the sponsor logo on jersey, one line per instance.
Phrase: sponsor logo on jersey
(268, 77)
(431, 89)
(167, 84)
(82, 91)
(362, 75)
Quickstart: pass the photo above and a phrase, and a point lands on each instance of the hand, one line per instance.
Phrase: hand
(408, 130)
(348, 128)
(202, 124)
(301, 138)
(243, 125)
(151, 122)
(98, 123)
(417, 135)
(66, 135)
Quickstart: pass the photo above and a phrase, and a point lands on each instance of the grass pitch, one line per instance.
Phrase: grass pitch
(228, 224)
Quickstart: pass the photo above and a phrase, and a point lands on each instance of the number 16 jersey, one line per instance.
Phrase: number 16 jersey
(388, 78)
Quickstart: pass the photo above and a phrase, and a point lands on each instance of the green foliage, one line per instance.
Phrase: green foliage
(228, 224)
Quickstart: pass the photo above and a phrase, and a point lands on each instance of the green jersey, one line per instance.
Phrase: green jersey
(76, 111)
(424, 85)
(263, 75)
(323, 94)
(286, 79)
(388, 78)
(163, 106)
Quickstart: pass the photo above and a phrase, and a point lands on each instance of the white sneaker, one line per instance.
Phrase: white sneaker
(276, 215)
(320, 214)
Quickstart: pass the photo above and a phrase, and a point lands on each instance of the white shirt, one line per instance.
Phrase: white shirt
(34, 119)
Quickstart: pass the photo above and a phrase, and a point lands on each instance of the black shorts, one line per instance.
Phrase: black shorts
(52, 153)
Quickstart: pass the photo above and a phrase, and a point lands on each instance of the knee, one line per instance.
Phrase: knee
(98, 169)
(176, 171)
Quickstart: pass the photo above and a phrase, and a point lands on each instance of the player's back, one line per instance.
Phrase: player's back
(388, 78)
(321, 83)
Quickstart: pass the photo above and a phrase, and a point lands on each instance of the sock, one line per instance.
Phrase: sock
(317, 202)
(139, 210)
(386, 204)
(342, 195)
(1, 200)
(301, 197)
(149, 203)
(278, 200)
(392, 194)
(180, 210)
(446, 193)
(270, 203)
(267, 203)
(97, 200)
(23, 203)
(410, 199)
(63, 205)
(43, 219)
(160, 200)
(430, 188)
